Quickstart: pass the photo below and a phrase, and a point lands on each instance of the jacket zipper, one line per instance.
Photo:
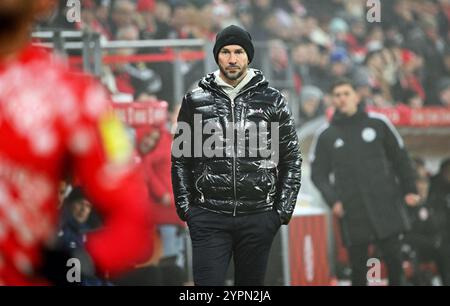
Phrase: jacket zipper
(234, 160)
(202, 197)
(234, 155)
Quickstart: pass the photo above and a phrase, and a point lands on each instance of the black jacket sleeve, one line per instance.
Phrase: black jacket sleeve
(321, 169)
(399, 158)
(290, 161)
(182, 164)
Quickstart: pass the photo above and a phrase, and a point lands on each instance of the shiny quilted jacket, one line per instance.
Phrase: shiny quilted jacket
(238, 178)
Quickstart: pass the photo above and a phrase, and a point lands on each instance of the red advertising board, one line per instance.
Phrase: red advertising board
(308, 250)
(402, 115)
(142, 113)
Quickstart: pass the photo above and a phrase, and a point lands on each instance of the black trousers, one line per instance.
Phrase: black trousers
(216, 238)
(391, 254)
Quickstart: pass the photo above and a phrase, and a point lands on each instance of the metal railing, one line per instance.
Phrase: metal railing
(92, 49)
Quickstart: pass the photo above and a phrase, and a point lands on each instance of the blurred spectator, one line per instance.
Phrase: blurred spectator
(181, 20)
(279, 59)
(134, 79)
(339, 31)
(382, 68)
(443, 18)
(425, 238)
(91, 21)
(440, 193)
(340, 64)
(356, 40)
(447, 60)
(311, 105)
(155, 22)
(154, 146)
(74, 227)
(102, 13)
(403, 18)
(245, 18)
(363, 85)
(407, 78)
(378, 99)
(62, 193)
(431, 48)
(413, 99)
(74, 224)
(123, 15)
(261, 9)
(310, 66)
(162, 15)
(444, 92)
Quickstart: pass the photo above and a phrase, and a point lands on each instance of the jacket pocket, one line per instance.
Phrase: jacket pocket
(272, 186)
(204, 173)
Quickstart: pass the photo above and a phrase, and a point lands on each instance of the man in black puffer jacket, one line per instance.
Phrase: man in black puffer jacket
(235, 165)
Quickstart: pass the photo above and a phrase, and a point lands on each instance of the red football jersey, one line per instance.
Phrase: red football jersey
(55, 122)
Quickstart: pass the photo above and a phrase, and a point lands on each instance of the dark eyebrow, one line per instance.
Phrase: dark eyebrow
(237, 50)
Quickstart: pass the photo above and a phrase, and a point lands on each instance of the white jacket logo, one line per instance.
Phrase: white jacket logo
(369, 134)
(338, 143)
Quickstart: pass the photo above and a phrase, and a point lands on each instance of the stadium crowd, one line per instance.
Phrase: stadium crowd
(404, 58)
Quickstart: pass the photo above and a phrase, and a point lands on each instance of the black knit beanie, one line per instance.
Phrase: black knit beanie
(234, 35)
(75, 195)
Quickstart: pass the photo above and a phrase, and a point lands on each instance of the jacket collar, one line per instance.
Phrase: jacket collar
(248, 77)
(209, 82)
(341, 118)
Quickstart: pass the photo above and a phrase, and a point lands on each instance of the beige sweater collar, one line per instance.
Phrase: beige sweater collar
(231, 91)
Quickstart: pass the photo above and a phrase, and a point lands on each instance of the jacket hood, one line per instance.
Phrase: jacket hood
(209, 81)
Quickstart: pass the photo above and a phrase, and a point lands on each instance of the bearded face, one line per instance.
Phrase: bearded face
(233, 62)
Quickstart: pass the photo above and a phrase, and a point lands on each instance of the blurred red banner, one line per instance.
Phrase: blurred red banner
(138, 114)
(401, 115)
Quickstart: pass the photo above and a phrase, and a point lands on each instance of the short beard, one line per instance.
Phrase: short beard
(233, 76)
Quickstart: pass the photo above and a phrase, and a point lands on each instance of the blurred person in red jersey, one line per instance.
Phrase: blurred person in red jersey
(54, 123)
(154, 147)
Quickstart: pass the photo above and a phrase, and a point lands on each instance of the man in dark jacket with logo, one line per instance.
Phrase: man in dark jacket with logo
(372, 178)
(236, 176)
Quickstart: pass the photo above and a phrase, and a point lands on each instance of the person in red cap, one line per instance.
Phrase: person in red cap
(55, 122)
